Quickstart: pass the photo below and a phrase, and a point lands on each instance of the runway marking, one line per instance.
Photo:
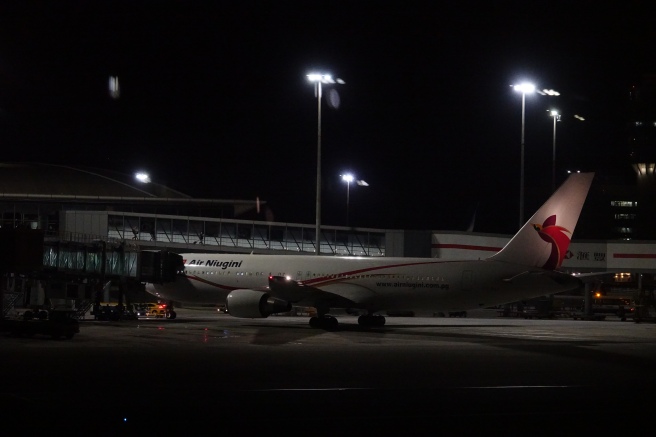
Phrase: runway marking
(543, 336)
(496, 387)
(548, 335)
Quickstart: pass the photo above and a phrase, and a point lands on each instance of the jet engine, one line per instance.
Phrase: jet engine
(254, 304)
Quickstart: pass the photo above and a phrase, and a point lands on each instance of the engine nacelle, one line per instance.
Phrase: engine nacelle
(254, 304)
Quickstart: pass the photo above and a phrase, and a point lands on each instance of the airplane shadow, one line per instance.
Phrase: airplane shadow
(287, 333)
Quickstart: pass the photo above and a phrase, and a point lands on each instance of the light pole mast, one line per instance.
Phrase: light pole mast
(317, 231)
(319, 79)
(521, 175)
(524, 89)
(348, 178)
(556, 118)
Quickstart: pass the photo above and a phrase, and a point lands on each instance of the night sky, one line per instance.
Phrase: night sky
(214, 100)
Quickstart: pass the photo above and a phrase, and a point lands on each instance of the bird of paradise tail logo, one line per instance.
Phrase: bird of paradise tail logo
(557, 236)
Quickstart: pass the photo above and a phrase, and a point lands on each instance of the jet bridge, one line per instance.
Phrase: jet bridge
(75, 268)
(158, 266)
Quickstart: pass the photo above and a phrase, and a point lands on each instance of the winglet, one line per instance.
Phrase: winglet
(544, 239)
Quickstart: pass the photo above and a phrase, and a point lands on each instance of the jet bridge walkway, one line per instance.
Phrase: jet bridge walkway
(182, 233)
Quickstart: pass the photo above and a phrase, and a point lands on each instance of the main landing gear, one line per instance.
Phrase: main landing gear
(324, 322)
(330, 323)
(370, 320)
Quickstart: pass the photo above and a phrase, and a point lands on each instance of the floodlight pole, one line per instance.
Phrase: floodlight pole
(556, 118)
(522, 88)
(348, 178)
(319, 79)
(521, 173)
(318, 205)
(348, 186)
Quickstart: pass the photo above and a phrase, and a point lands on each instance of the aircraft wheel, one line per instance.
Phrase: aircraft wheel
(326, 322)
(369, 320)
(171, 315)
(330, 322)
(314, 322)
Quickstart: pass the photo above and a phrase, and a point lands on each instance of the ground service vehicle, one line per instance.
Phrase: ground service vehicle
(158, 310)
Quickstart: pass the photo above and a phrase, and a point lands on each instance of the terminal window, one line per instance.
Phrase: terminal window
(624, 203)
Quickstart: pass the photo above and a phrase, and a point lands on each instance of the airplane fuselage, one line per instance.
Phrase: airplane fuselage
(370, 283)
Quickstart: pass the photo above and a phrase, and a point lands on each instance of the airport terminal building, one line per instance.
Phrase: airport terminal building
(95, 224)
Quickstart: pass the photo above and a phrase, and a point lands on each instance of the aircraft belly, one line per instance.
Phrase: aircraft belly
(419, 300)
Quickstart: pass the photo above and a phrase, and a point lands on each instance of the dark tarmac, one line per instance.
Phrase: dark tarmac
(207, 373)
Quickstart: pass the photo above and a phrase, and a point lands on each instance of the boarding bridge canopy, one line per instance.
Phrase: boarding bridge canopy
(229, 235)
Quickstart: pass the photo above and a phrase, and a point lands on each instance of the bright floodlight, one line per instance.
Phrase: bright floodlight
(324, 78)
(554, 112)
(142, 177)
(525, 88)
(114, 89)
(347, 177)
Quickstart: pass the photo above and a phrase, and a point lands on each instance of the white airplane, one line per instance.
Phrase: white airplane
(256, 286)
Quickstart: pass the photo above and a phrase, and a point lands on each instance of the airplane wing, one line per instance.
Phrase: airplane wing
(344, 295)
(593, 276)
